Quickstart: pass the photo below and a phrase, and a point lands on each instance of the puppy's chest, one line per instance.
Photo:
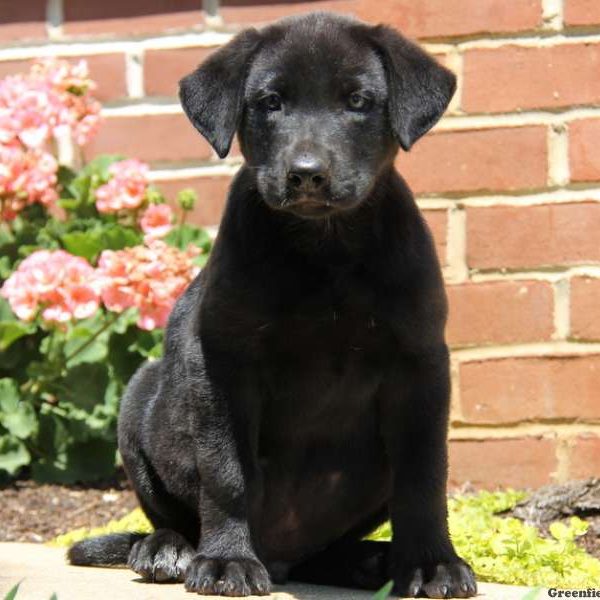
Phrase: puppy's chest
(325, 359)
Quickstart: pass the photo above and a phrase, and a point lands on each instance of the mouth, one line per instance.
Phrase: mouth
(309, 207)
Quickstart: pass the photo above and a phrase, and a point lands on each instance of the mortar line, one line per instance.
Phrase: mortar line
(532, 350)
(466, 431)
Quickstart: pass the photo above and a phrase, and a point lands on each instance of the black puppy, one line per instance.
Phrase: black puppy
(303, 394)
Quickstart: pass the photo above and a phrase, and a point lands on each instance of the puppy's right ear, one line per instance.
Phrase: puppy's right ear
(212, 96)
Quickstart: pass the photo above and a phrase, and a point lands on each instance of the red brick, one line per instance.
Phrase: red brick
(212, 194)
(152, 138)
(517, 389)
(584, 157)
(438, 224)
(22, 20)
(134, 17)
(582, 12)
(585, 457)
(585, 309)
(164, 68)
(494, 463)
(107, 70)
(477, 160)
(426, 18)
(533, 236)
(501, 312)
(515, 78)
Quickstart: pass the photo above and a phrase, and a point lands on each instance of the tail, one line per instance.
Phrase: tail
(110, 549)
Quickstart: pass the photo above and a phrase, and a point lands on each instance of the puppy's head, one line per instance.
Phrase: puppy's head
(321, 103)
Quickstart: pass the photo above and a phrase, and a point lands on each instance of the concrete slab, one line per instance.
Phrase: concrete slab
(43, 571)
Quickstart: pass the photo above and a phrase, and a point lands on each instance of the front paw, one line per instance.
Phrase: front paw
(227, 577)
(454, 579)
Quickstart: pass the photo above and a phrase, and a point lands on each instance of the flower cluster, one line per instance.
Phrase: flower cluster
(63, 286)
(53, 99)
(149, 278)
(126, 189)
(157, 221)
(26, 177)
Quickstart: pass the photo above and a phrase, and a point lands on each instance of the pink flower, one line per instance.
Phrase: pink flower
(156, 221)
(54, 96)
(126, 190)
(149, 278)
(27, 176)
(60, 285)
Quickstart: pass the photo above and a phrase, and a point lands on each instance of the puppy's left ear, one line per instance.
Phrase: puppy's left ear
(212, 96)
(419, 87)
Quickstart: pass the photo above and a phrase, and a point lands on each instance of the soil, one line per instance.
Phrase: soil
(31, 512)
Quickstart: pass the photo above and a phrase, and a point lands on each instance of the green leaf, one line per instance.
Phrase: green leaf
(560, 531)
(16, 416)
(86, 244)
(5, 267)
(81, 348)
(85, 385)
(65, 176)
(384, 592)
(52, 438)
(123, 361)
(148, 343)
(9, 395)
(13, 454)
(13, 591)
(117, 237)
(184, 235)
(86, 461)
(21, 422)
(11, 331)
(6, 313)
(6, 235)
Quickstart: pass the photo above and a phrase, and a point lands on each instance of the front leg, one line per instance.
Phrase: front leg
(226, 562)
(414, 411)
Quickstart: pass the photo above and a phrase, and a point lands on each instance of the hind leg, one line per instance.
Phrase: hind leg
(347, 563)
(165, 554)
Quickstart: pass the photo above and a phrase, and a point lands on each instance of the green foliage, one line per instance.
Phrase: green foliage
(505, 550)
(12, 593)
(60, 385)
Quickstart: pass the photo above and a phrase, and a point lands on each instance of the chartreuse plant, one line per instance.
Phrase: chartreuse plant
(92, 259)
(500, 549)
(505, 550)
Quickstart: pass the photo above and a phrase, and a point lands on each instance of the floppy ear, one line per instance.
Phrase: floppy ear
(212, 96)
(419, 87)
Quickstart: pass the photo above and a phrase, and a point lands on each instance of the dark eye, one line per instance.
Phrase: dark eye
(357, 101)
(271, 102)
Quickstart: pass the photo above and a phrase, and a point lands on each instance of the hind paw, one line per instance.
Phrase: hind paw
(162, 556)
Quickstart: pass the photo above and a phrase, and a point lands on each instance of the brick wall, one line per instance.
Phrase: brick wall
(513, 197)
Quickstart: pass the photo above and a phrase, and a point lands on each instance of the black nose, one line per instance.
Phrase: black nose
(307, 173)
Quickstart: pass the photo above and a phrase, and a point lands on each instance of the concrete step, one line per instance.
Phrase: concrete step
(44, 571)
